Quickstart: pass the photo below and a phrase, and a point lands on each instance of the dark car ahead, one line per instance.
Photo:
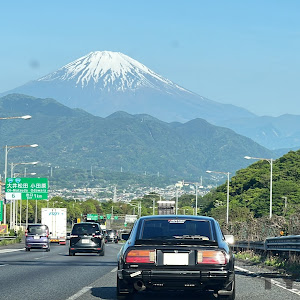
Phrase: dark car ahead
(112, 236)
(86, 238)
(173, 252)
(37, 237)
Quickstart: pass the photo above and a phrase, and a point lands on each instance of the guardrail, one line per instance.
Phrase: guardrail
(289, 243)
(7, 238)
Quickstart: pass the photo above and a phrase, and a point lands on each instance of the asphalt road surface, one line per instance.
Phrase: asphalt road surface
(39, 275)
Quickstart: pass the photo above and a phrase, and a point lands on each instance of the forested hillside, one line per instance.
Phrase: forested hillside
(249, 196)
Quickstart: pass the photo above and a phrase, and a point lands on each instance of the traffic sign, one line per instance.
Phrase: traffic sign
(130, 218)
(108, 216)
(26, 188)
(92, 217)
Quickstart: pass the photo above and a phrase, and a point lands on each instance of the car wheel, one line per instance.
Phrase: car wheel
(48, 250)
(122, 296)
(102, 253)
(71, 253)
(27, 249)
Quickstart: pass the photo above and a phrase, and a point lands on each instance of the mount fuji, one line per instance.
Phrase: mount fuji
(104, 82)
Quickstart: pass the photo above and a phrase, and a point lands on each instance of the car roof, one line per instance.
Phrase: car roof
(190, 217)
(92, 223)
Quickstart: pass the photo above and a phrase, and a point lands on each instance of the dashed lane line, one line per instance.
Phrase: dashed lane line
(272, 281)
(80, 293)
(11, 250)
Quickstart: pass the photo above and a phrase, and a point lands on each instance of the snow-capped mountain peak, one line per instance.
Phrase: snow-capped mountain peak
(107, 70)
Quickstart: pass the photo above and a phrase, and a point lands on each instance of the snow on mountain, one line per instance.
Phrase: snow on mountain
(104, 82)
(110, 71)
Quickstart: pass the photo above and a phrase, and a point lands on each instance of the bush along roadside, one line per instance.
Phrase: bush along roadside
(284, 264)
(17, 238)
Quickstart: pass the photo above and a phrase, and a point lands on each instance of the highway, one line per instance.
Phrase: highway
(39, 275)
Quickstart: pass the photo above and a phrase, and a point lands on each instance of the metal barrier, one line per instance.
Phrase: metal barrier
(282, 243)
(2, 238)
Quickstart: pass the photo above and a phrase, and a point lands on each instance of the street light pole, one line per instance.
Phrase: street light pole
(13, 215)
(196, 189)
(7, 149)
(176, 206)
(153, 213)
(26, 117)
(270, 161)
(227, 200)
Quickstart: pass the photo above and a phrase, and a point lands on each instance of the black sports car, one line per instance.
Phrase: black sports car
(174, 252)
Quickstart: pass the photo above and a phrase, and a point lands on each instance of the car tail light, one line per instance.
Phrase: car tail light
(26, 232)
(141, 256)
(211, 257)
(96, 235)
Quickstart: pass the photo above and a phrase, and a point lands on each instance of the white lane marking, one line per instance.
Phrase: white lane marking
(87, 288)
(3, 265)
(11, 250)
(38, 257)
(80, 293)
(295, 291)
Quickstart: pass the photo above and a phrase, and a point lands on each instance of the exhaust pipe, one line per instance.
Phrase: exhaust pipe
(139, 285)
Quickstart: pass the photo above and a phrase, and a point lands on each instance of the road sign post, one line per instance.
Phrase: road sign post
(1, 211)
(26, 189)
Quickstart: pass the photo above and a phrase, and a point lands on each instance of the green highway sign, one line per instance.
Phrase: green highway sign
(34, 196)
(93, 217)
(26, 188)
(108, 216)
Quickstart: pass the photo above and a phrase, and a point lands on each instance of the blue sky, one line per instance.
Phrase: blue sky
(245, 53)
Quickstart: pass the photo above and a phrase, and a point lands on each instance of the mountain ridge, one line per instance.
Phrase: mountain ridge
(137, 143)
(104, 82)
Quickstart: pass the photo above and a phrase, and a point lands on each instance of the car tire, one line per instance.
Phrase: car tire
(27, 249)
(48, 250)
(71, 253)
(102, 253)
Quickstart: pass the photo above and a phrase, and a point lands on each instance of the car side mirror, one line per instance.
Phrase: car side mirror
(125, 236)
(229, 238)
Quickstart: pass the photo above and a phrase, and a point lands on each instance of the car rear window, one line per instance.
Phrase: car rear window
(176, 229)
(37, 229)
(85, 229)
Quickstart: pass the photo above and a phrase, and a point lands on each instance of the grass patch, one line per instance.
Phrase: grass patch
(289, 264)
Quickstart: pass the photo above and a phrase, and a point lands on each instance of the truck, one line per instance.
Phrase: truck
(166, 207)
(56, 220)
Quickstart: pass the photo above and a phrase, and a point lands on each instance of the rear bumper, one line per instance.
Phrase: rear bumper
(37, 245)
(178, 279)
(86, 249)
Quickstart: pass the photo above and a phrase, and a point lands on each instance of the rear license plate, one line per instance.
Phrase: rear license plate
(176, 259)
(85, 241)
(36, 237)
